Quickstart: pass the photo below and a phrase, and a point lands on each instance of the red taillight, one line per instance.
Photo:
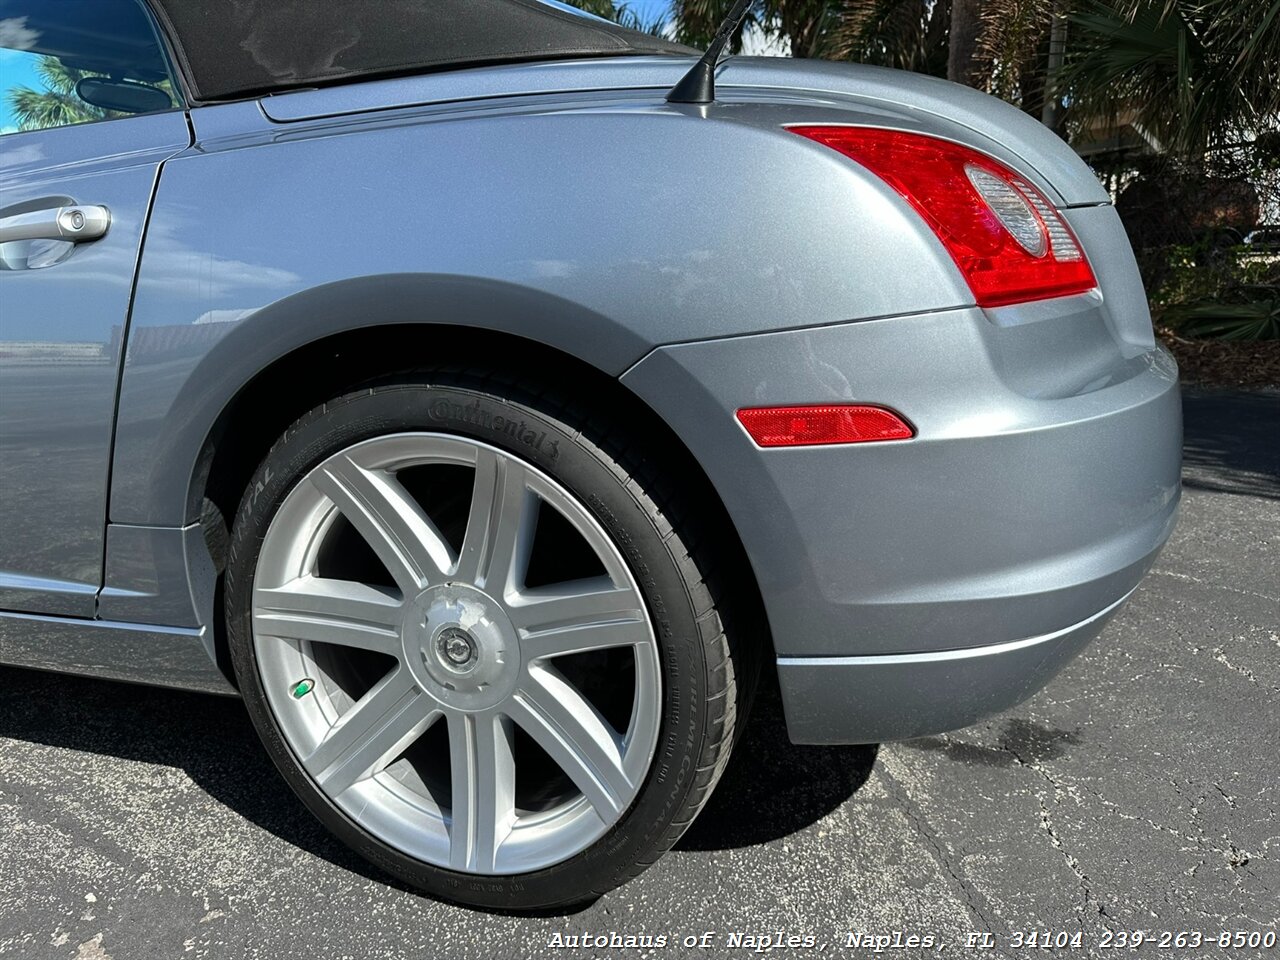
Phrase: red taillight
(1005, 236)
(828, 423)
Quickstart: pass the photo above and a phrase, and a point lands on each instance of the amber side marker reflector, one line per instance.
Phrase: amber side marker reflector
(827, 423)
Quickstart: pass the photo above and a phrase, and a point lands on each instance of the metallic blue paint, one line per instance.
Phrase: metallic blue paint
(1042, 480)
(899, 696)
(485, 238)
(158, 656)
(61, 339)
(702, 255)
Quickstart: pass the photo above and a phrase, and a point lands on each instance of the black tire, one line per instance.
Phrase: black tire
(706, 681)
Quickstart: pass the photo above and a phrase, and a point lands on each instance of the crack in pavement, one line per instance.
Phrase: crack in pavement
(1236, 858)
(1219, 655)
(1046, 822)
(968, 894)
(1216, 584)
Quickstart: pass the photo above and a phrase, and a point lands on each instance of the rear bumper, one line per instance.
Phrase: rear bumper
(916, 586)
(888, 697)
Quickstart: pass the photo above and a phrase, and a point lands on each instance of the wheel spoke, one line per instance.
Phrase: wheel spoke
(329, 611)
(500, 525)
(377, 728)
(575, 736)
(600, 636)
(483, 770)
(407, 542)
(580, 603)
(579, 618)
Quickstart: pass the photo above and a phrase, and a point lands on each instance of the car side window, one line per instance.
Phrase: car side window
(79, 61)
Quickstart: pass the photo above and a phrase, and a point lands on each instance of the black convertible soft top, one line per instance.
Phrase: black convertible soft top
(237, 48)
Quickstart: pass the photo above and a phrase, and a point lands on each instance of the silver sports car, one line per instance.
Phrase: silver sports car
(490, 396)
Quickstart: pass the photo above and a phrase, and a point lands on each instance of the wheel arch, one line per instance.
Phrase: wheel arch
(165, 426)
(249, 422)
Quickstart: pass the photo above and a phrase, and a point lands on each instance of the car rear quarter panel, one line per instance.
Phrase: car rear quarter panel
(603, 230)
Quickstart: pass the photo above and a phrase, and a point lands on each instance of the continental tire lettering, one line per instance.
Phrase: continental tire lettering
(473, 414)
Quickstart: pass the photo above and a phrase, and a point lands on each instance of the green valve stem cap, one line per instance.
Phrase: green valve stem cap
(302, 688)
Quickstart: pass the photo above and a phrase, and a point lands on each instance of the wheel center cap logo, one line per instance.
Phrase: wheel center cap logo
(455, 648)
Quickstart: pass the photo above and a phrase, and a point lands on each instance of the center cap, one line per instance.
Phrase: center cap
(461, 647)
(456, 648)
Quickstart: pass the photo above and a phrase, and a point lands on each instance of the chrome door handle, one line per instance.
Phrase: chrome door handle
(77, 224)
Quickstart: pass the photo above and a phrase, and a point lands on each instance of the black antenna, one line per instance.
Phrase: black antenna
(699, 84)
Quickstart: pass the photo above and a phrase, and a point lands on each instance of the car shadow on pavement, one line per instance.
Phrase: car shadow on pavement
(1020, 742)
(209, 737)
(770, 789)
(773, 788)
(1230, 442)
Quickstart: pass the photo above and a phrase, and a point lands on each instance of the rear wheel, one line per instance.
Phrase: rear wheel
(472, 636)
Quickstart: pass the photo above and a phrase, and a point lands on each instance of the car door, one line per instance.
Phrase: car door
(89, 110)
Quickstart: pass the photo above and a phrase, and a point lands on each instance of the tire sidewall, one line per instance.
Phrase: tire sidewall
(568, 453)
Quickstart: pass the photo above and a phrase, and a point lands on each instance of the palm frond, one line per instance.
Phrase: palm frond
(1010, 41)
(696, 21)
(1197, 73)
(56, 105)
(906, 34)
(58, 77)
(655, 25)
(624, 15)
(1255, 319)
(41, 109)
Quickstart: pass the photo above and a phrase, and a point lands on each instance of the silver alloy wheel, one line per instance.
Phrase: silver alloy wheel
(474, 649)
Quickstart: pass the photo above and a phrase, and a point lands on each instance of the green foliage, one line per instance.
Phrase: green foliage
(696, 21)
(1196, 73)
(1257, 318)
(1212, 288)
(1012, 46)
(57, 104)
(904, 34)
(599, 8)
(1201, 78)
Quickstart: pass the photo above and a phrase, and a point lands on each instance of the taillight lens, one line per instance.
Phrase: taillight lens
(1004, 235)
(823, 423)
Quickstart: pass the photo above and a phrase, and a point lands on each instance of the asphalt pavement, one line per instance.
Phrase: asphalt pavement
(1139, 792)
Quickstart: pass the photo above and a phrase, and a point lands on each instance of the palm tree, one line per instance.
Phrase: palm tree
(1194, 69)
(908, 34)
(963, 65)
(978, 42)
(807, 26)
(57, 105)
(1196, 73)
(1010, 49)
(1003, 47)
(622, 14)
(1199, 79)
(905, 34)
